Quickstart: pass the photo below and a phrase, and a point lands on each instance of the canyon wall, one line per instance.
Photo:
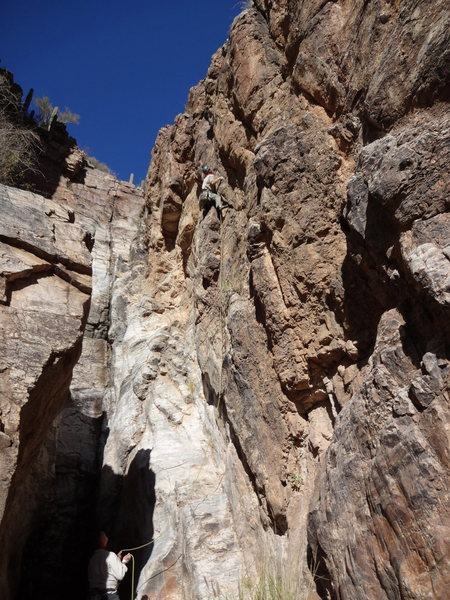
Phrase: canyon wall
(262, 392)
(59, 258)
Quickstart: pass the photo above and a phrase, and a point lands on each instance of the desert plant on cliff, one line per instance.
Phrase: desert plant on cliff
(97, 164)
(19, 144)
(296, 481)
(268, 587)
(47, 112)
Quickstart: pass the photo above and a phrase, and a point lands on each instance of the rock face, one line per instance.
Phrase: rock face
(262, 392)
(49, 458)
(46, 290)
(390, 444)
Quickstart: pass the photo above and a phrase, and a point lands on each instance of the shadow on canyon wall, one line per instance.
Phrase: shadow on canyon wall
(125, 511)
(367, 292)
(56, 147)
(374, 283)
(62, 525)
(75, 506)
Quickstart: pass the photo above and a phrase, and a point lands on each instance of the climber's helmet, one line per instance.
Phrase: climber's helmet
(205, 169)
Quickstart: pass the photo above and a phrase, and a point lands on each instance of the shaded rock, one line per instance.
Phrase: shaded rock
(50, 447)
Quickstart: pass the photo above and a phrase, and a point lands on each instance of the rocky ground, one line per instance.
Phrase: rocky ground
(265, 387)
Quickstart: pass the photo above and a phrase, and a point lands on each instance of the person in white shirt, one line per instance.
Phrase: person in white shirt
(209, 196)
(105, 571)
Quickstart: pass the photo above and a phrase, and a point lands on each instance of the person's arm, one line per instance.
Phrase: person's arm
(119, 565)
(216, 180)
(125, 559)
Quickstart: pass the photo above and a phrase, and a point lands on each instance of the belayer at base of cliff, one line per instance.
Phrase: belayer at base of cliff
(106, 570)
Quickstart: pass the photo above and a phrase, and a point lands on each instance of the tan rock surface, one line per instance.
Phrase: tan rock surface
(270, 386)
(391, 451)
(50, 458)
(46, 281)
(287, 300)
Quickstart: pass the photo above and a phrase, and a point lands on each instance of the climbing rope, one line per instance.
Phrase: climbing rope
(219, 398)
(156, 537)
(221, 314)
(132, 561)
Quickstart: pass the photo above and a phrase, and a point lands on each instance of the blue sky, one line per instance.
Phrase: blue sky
(124, 67)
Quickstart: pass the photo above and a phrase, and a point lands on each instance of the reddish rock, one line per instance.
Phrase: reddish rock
(333, 261)
(273, 380)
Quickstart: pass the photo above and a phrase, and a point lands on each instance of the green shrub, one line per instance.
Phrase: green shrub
(269, 586)
(296, 481)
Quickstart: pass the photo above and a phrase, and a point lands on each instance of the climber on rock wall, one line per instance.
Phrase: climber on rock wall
(209, 196)
(105, 571)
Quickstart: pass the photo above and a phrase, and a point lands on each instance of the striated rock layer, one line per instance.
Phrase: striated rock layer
(264, 392)
(57, 255)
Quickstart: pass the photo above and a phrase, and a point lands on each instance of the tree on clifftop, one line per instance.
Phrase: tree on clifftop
(47, 111)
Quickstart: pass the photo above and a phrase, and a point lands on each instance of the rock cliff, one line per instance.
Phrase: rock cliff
(59, 258)
(258, 393)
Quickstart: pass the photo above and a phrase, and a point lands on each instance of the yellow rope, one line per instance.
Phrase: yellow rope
(156, 537)
(132, 561)
(138, 547)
